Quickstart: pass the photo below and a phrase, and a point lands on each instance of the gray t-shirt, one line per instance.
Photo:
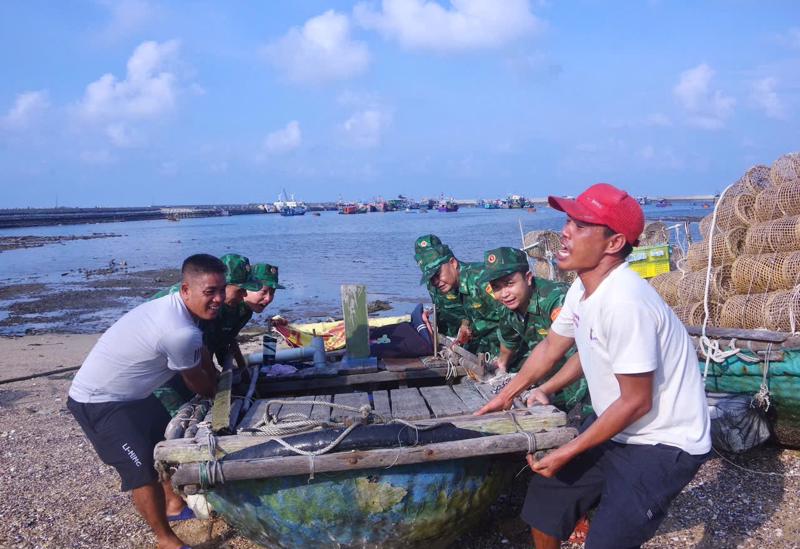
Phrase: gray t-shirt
(139, 353)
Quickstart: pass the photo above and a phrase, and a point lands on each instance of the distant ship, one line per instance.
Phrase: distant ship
(289, 207)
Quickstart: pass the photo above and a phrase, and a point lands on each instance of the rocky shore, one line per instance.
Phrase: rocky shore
(56, 493)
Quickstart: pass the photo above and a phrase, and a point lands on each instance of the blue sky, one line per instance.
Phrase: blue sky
(138, 102)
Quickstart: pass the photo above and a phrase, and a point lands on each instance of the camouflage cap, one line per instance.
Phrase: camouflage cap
(266, 274)
(431, 258)
(238, 272)
(503, 261)
(427, 241)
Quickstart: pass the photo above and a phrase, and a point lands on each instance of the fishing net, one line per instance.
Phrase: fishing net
(791, 270)
(725, 247)
(691, 288)
(753, 181)
(785, 168)
(544, 268)
(782, 310)
(789, 197)
(736, 211)
(693, 314)
(744, 311)
(666, 284)
(705, 226)
(765, 272)
(766, 205)
(655, 232)
(542, 244)
(778, 235)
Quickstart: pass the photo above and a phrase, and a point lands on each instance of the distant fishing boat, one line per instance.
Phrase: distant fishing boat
(289, 207)
(447, 205)
(663, 203)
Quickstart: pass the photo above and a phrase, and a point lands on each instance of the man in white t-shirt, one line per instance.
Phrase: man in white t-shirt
(651, 431)
(112, 398)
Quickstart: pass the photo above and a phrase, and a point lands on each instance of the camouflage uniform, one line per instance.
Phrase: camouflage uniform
(522, 332)
(481, 308)
(449, 309)
(477, 302)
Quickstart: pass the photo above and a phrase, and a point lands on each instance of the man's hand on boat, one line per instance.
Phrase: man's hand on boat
(464, 333)
(278, 320)
(537, 397)
(551, 463)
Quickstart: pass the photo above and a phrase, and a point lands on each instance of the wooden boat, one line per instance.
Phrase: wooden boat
(417, 486)
(767, 359)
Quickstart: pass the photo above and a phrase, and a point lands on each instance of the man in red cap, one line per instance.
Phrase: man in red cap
(651, 430)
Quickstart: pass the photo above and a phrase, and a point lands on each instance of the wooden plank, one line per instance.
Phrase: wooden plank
(443, 401)
(403, 364)
(296, 408)
(534, 419)
(354, 400)
(380, 403)
(256, 413)
(356, 327)
(320, 411)
(738, 333)
(277, 387)
(486, 390)
(470, 396)
(408, 404)
(222, 402)
(247, 469)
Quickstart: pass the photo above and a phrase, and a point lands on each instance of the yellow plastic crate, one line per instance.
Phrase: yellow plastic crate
(649, 261)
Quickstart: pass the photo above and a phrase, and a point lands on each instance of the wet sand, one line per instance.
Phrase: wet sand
(57, 493)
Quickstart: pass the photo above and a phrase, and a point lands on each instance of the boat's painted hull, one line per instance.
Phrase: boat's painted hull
(422, 505)
(783, 380)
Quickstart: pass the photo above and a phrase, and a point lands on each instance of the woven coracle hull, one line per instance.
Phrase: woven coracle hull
(783, 380)
(421, 505)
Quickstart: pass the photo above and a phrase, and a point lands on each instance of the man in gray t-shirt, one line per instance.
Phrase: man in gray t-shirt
(111, 395)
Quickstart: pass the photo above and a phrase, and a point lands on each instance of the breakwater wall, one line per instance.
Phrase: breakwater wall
(34, 217)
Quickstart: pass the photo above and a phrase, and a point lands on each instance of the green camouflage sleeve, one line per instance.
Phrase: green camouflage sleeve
(506, 334)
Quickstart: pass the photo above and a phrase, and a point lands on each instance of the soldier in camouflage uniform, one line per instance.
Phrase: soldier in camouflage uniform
(220, 334)
(530, 307)
(440, 268)
(449, 308)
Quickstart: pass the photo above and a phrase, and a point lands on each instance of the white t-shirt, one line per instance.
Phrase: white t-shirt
(625, 327)
(139, 353)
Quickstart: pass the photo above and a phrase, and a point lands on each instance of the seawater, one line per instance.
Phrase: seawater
(315, 254)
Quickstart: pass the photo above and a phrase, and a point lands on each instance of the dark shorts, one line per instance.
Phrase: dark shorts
(124, 435)
(633, 484)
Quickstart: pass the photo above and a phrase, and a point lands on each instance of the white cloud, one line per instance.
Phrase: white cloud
(365, 128)
(766, 97)
(705, 108)
(791, 38)
(661, 157)
(285, 139)
(28, 107)
(464, 25)
(126, 18)
(123, 136)
(148, 90)
(322, 50)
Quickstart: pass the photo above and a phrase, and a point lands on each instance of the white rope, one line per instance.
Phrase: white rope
(706, 312)
(761, 398)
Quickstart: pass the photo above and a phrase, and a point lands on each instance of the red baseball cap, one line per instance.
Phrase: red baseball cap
(604, 204)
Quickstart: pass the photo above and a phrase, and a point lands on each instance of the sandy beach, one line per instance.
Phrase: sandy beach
(57, 493)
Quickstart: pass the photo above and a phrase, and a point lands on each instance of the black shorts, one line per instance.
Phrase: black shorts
(633, 484)
(124, 435)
